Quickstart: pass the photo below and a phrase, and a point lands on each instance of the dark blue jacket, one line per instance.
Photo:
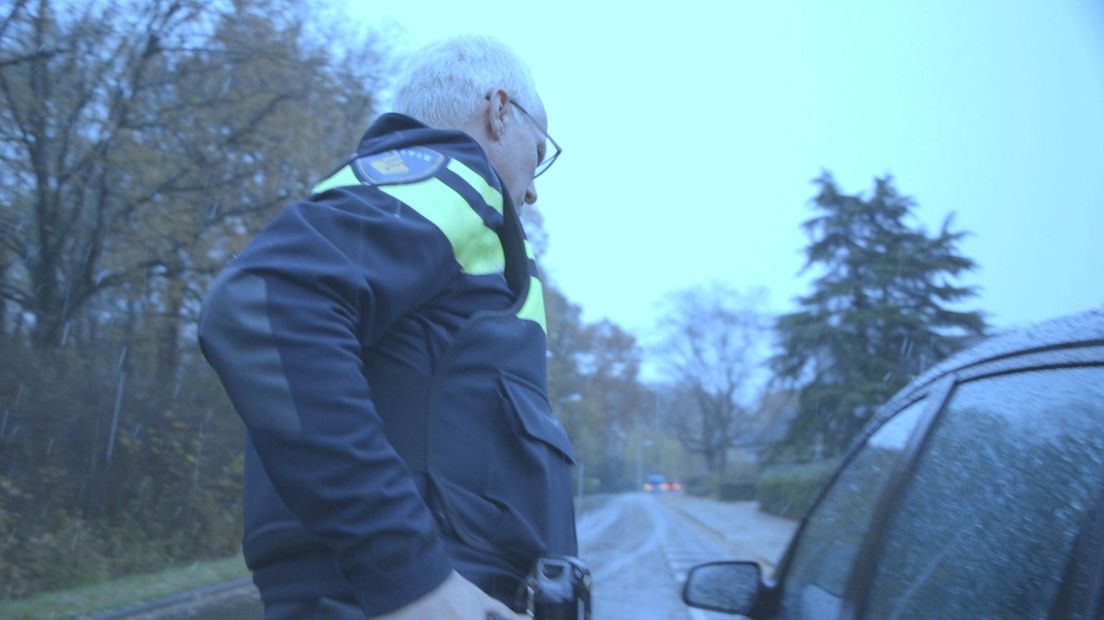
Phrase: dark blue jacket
(384, 343)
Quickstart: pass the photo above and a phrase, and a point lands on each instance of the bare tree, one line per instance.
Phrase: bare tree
(711, 341)
(138, 139)
(594, 387)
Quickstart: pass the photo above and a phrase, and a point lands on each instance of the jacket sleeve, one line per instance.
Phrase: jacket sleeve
(284, 327)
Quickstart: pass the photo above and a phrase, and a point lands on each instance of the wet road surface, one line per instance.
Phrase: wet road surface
(639, 547)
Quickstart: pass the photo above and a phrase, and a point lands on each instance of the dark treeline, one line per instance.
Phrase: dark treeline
(141, 143)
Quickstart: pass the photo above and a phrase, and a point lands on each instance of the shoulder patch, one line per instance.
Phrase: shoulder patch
(405, 165)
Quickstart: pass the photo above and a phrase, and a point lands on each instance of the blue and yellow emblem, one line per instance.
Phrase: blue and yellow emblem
(395, 167)
(405, 165)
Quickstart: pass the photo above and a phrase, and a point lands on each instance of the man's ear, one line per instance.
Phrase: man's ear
(498, 106)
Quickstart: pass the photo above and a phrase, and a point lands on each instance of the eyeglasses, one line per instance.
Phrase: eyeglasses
(548, 160)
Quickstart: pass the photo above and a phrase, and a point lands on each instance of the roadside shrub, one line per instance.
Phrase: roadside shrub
(103, 475)
(733, 491)
(701, 485)
(789, 490)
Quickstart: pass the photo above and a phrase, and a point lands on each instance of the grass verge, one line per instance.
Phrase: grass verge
(90, 599)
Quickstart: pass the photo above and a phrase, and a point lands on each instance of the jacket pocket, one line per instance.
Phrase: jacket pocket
(535, 415)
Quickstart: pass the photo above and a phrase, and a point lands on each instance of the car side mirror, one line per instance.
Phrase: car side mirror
(731, 587)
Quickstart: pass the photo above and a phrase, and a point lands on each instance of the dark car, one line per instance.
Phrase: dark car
(976, 492)
(657, 483)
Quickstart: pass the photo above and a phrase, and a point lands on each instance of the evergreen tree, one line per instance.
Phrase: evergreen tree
(880, 312)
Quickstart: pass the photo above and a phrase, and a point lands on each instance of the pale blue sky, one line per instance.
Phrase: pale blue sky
(691, 132)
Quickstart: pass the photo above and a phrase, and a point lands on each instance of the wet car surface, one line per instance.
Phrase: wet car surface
(976, 492)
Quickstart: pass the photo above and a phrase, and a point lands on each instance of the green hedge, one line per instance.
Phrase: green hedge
(737, 491)
(699, 485)
(789, 490)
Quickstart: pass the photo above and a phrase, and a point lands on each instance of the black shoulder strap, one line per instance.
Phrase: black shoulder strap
(513, 246)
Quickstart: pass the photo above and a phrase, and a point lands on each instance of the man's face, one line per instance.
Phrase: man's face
(520, 148)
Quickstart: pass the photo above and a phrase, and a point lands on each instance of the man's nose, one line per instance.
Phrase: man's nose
(531, 193)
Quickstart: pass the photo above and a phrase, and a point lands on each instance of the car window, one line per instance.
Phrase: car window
(830, 539)
(987, 524)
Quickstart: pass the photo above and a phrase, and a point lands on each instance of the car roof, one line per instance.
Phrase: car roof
(1078, 330)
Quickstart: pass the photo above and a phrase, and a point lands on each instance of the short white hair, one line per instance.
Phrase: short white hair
(444, 83)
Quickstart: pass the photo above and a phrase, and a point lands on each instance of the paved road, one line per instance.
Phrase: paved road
(639, 547)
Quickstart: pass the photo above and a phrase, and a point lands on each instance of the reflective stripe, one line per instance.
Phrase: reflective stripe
(490, 195)
(475, 246)
(533, 309)
(342, 178)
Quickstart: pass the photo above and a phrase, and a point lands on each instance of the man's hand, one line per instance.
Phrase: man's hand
(455, 599)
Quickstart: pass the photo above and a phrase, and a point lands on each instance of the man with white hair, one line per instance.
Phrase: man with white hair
(384, 342)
